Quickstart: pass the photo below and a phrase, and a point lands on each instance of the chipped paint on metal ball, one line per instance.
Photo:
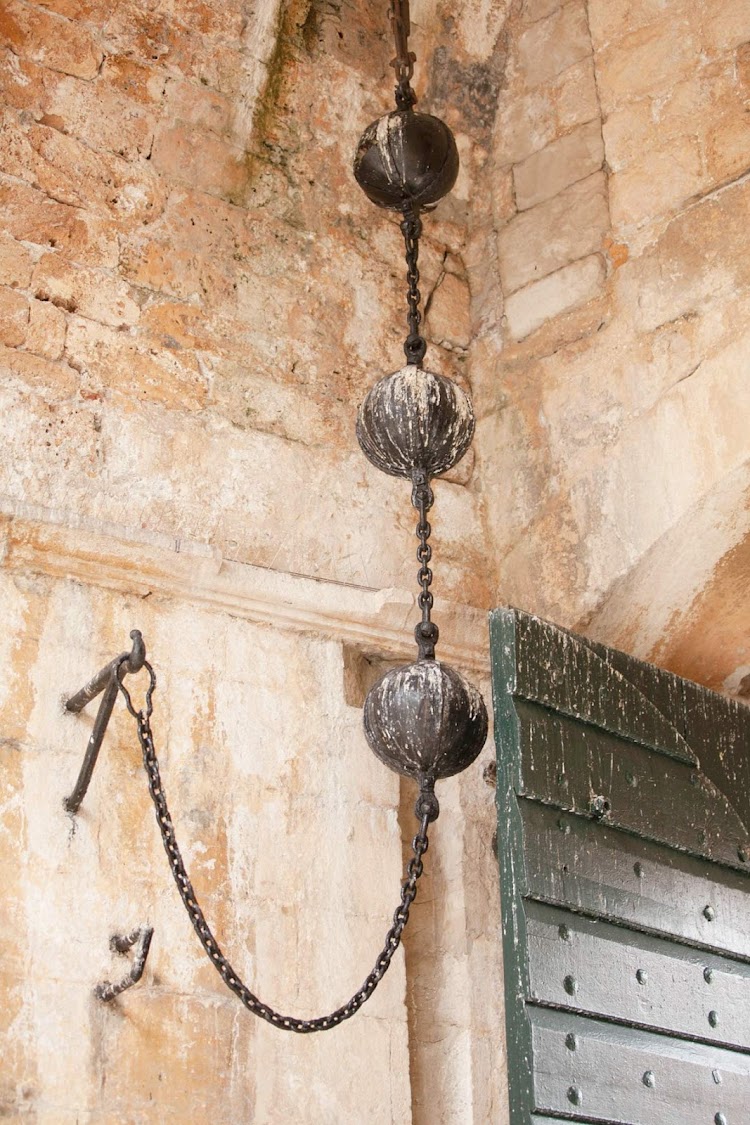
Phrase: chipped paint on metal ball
(425, 719)
(415, 420)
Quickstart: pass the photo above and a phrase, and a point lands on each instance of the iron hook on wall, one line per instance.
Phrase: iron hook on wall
(106, 680)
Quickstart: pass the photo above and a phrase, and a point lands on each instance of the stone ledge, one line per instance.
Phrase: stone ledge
(58, 544)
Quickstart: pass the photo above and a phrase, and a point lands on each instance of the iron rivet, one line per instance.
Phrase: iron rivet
(742, 855)
(720, 1119)
(713, 1018)
(709, 913)
(716, 1077)
(571, 1041)
(708, 975)
(649, 1079)
(563, 826)
(570, 984)
(575, 1095)
(694, 779)
(641, 976)
(638, 868)
(600, 806)
(564, 932)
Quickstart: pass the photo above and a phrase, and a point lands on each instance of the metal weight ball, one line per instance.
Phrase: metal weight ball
(406, 159)
(425, 720)
(415, 420)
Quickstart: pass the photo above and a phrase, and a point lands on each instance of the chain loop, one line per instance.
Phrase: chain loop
(231, 979)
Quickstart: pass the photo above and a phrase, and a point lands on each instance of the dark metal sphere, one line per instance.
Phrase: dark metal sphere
(425, 719)
(406, 158)
(415, 420)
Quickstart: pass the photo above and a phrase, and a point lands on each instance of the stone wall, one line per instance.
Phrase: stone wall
(194, 297)
(613, 388)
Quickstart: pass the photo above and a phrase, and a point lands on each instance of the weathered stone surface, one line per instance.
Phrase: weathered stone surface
(553, 234)
(553, 44)
(560, 164)
(16, 262)
(91, 293)
(527, 309)
(14, 317)
(649, 60)
(59, 44)
(526, 122)
(45, 335)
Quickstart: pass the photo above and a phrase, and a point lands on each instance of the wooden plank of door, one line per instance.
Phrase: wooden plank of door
(632, 978)
(588, 770)
(602, 872)
(560, 671)
(607, 1073)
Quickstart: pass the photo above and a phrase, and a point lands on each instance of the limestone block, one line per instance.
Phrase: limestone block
(15, 262)
(526, 122)
(89, 292)
(699, 257)
(534, 10)
(660, 181)
(46, 332)
(554, 233)
(528, 308)
(553, 44)
(57, 43)
(611, 19)
(103, 353)
(193, 156)
(647, 61)
(565, 161)
(80, 235)
(195, 105)
(724, 24)
(142, 83)
(55, 381)
(448, 320)
(14, 317)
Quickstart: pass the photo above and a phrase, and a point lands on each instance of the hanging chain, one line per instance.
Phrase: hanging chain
(426, 811)
(426, 632)
(404, 61)
(415, 344)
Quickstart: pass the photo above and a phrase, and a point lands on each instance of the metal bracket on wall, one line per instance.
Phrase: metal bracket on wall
(122, 943)
(104, 681)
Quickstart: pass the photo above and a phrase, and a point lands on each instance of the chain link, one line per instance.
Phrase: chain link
(427, 812)
(404, 61)
(415, 345)
(426, 632)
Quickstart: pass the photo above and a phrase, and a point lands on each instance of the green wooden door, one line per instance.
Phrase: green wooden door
(623, 813)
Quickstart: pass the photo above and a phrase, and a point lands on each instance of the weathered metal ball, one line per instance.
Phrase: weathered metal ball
(406, 158)
(425, 719)
(415, 420)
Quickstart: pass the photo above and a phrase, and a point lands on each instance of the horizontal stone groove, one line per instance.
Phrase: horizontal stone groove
(59, 545)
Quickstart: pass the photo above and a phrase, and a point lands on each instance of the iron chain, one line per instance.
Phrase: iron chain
(426, 632)
(404, 61)
(415, 345)
(414, 871)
